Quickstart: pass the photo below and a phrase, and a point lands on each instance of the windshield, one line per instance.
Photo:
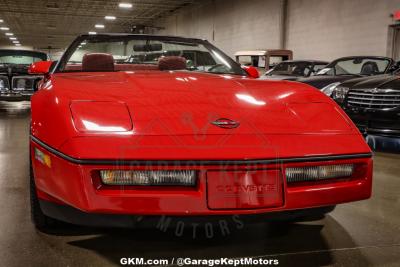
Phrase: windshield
(292, 69)
(356, 66)
(141, 52)
(21, 57)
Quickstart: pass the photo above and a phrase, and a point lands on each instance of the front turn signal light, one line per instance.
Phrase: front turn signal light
(159, 178)
(316, 173)
(42, 157)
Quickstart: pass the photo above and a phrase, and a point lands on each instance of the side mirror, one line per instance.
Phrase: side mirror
(251, 71)
(40, 67)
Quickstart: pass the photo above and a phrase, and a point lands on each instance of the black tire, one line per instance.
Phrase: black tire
(39, 219)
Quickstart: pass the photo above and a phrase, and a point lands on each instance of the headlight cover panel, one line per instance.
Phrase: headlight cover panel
(100, 116)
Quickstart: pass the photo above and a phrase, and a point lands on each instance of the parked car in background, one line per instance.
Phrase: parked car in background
(15, 82)
(263, 60)
(347, 68)
(292, 70)
(373, 103)
(124, 143)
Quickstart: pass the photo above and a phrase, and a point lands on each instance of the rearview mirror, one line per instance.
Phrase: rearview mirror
(251, 71)
(40, 67)
(147, 47)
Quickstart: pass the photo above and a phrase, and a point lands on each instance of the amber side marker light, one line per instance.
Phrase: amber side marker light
(160, 178)
(317, 173)
(42, 157)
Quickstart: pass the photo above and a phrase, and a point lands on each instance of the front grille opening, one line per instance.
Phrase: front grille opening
(374, 98)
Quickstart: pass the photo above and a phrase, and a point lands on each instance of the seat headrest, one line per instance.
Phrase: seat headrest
(97, 62)
(369, 68)
(172, 63)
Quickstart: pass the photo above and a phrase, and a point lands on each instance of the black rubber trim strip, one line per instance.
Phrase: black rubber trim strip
(194, 162)
(72, 215)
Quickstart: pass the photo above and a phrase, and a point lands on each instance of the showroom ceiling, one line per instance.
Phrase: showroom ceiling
(43, 23)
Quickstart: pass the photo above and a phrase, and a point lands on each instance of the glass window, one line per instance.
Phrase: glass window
(318, 67)
(136, 52)
(357, 66)
(255, 61)
(291, 69)
(19, 59)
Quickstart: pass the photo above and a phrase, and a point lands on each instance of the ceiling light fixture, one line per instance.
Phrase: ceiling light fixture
(4, 28)
(13, 38)
(9, 34)
(125, 5)
(99, 26)
(110, 17)
(17, 44)
(1, 21)
(92, 33)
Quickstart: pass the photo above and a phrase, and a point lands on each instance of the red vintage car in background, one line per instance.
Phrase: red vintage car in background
(126, 126)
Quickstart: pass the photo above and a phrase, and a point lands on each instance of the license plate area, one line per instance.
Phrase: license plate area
(244, 189)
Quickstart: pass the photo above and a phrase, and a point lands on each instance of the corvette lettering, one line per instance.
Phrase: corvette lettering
(263, 188)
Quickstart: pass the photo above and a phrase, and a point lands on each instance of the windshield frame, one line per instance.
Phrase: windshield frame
(237, 69)
(336, 61)
(15, 52)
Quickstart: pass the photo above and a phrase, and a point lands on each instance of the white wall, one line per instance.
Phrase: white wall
(330, 29)
(230, 24)
(316, 29)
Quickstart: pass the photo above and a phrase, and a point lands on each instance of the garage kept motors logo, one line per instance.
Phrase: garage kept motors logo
(203, 226)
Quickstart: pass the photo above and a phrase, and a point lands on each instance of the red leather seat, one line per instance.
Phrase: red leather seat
(172, 63)
(97, 62)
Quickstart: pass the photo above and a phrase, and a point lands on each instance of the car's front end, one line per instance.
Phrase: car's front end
(348, 68)
(16, 84)
(374, 106)
(113, 141)
(117, 192)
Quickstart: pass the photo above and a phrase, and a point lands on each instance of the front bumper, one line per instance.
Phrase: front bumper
(375, 122)
(15, 96)
(76, 185)
(74, 216)
(384, 143)
(381, 128)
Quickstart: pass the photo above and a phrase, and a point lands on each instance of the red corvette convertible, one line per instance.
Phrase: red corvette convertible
(137, 126)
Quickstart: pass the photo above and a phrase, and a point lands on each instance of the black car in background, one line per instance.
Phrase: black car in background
(293, 70)
(15, 82)
(374, 106)
(346, 68)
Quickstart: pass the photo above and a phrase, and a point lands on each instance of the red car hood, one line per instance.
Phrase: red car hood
(169, 115)
(186, 103)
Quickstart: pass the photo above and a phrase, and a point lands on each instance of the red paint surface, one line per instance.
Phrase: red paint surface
(170, 115)
(244, 189)
(396, 15)
(40, 67)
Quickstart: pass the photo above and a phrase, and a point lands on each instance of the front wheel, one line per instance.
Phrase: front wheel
(39, 219)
